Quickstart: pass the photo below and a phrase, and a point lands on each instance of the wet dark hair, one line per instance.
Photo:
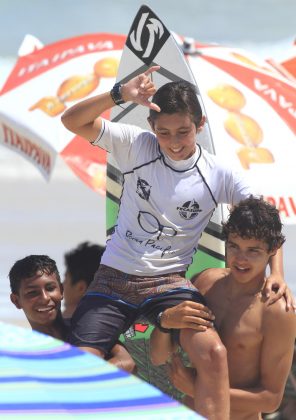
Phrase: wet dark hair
(255, 218)
(30, 267)
(83, 261)
(176, 97)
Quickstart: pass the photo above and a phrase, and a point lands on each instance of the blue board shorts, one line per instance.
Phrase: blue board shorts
(115, 300)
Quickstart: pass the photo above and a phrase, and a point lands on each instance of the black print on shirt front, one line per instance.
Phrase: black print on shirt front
(143, 189)
(150, 243)
(189, 210)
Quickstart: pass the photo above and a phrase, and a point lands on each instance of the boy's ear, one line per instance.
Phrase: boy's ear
(82, 286)
(272, 253)
(15, 300)
(201, 124)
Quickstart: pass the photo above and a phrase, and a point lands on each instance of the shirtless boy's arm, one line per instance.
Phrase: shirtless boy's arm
(276, 280)
(279, 331)
(161, 347)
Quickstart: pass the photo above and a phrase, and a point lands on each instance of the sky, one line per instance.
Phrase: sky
(226, 21)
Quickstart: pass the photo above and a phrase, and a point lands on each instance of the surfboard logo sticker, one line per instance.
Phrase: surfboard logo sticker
(147, 35)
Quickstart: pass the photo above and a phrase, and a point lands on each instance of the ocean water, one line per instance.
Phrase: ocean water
(51, 218)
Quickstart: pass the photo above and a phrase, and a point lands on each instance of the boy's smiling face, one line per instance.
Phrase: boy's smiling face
(176, 135)
(40, 298)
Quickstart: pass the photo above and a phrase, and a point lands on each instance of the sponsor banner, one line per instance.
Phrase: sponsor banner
(40, 155)
(286, 204)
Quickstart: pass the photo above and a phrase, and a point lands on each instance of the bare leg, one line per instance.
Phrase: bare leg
(208, 355)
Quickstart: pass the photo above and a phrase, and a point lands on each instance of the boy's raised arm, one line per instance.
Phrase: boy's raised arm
(84, 119)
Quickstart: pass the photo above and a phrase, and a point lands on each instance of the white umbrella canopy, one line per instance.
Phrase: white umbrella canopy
(43, 84)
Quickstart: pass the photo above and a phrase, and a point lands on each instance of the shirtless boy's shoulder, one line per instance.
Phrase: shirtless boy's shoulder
(206, 278)
(278, 313)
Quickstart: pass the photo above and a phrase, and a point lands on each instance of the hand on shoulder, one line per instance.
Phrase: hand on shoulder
(278, 312)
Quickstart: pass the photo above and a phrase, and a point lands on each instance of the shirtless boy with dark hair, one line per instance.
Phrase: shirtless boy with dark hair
(36, 289)
(259, 336)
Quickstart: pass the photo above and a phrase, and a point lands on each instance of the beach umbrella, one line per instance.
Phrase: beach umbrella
(41, 377)
(251, 108)
(287, 65)
(44, 82)
(289, 62)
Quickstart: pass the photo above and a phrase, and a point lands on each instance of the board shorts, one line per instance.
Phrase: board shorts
(115, 300)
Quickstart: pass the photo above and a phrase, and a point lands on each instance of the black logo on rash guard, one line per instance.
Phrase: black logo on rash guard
(189, 210)
(143, 189)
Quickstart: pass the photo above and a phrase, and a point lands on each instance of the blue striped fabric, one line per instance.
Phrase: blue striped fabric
(44, 377)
